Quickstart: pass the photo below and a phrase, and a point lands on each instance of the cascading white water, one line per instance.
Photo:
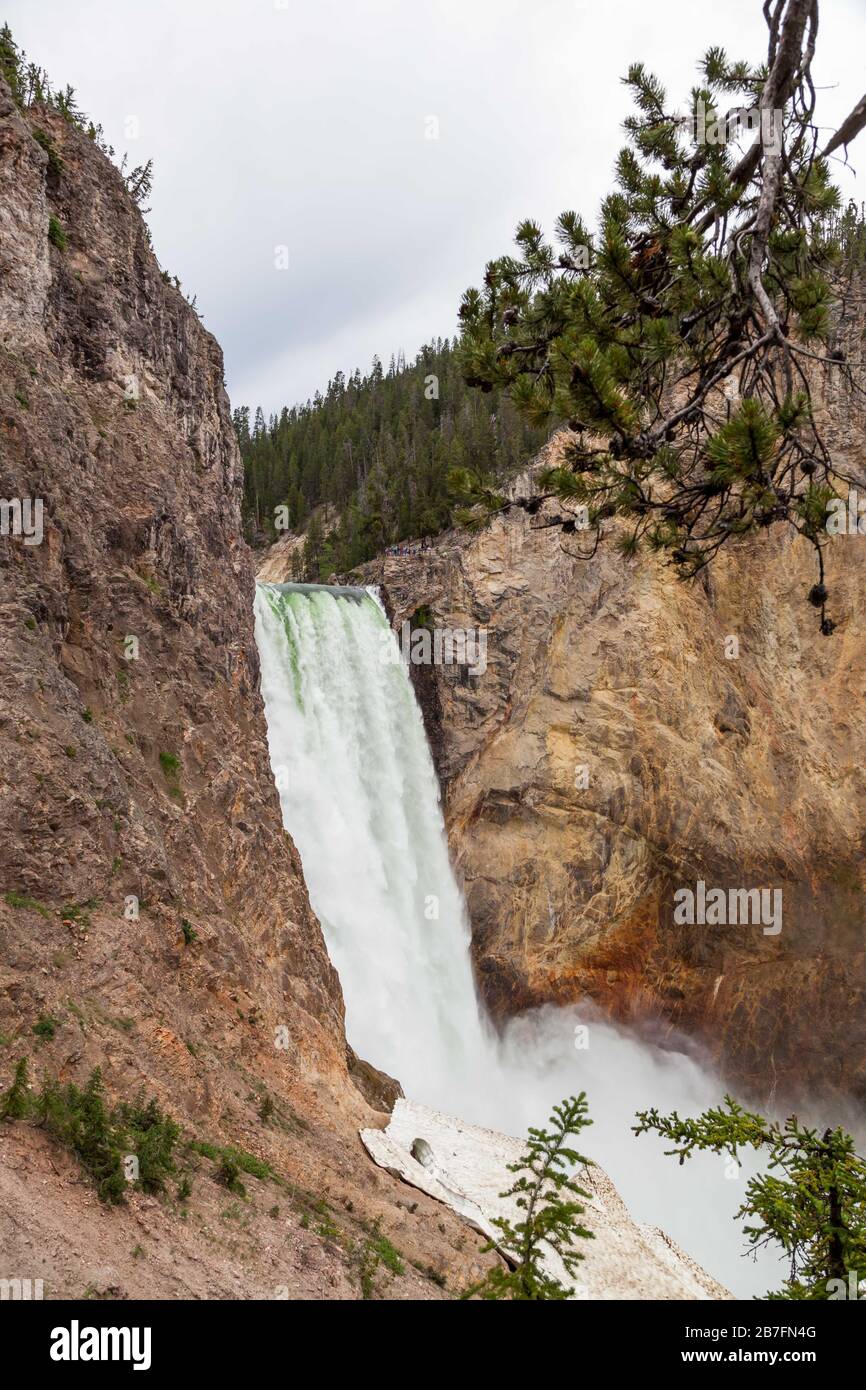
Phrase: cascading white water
(360, 799)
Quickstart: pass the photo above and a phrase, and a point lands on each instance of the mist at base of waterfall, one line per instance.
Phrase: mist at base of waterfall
(361, 801)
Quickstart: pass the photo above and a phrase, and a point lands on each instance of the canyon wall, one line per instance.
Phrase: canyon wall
(613, 752)
(135, 778)
(134, 754)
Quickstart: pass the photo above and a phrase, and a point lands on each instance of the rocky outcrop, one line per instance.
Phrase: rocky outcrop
(620, 746)
(154, 916)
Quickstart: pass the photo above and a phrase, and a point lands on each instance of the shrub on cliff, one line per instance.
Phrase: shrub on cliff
(675, 339)
(78, 1119)
(544, 1192)
(56, 234)
(811, 1202)
(101, 1138)
(149, 1134)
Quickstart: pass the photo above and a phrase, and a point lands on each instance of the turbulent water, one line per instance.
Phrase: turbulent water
(360, 799)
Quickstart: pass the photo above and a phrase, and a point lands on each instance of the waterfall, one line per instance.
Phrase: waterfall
(360, 799)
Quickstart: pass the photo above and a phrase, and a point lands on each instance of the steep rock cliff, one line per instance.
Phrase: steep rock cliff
(134, 755)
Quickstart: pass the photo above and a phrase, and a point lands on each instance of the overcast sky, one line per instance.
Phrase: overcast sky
(307, 124)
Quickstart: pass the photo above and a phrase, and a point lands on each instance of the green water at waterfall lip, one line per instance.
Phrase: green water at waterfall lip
(353, 592)
(281, 600)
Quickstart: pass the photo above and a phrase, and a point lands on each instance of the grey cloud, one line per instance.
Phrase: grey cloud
(305, 126)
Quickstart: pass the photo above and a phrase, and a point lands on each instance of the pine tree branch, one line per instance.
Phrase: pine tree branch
(848, 130)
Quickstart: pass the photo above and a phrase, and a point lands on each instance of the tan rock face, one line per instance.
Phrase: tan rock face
(614, 752)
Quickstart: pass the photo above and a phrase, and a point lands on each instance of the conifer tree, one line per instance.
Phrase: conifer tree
(677, 339)
(544, 1191)
(811, 1201)
(16, 1103)
(11, 63)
